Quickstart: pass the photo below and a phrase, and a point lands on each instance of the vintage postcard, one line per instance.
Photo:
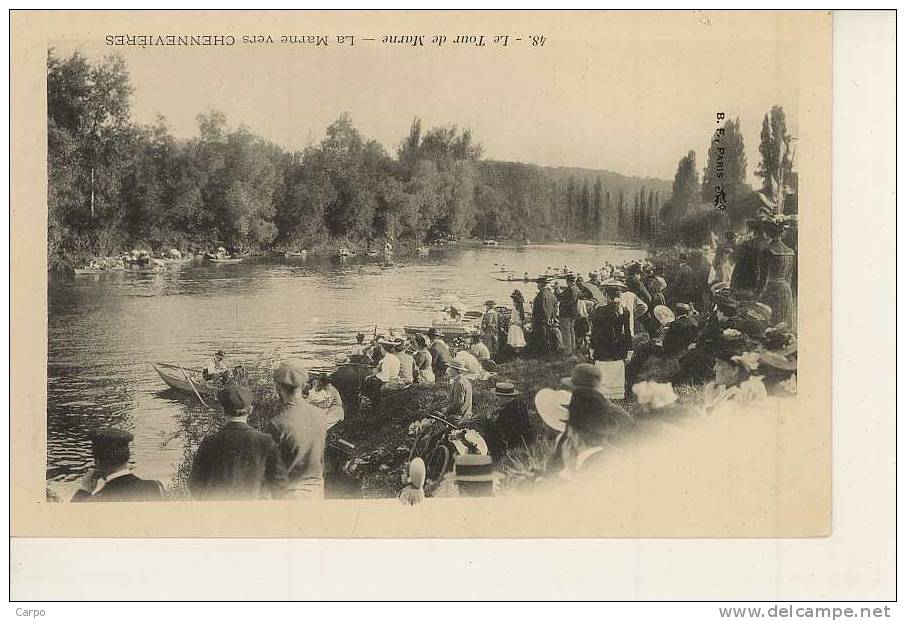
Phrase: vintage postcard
(421, 274)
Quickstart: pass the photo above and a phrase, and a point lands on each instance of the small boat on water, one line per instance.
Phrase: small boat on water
(451, 331)
(222, 258)
(182, 379)
(226, 260)
(295, 254)
(490, 242)
(515, 278)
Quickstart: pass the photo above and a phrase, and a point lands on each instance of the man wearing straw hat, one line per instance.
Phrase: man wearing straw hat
(460, 408)
(299, 432)
(512, 426)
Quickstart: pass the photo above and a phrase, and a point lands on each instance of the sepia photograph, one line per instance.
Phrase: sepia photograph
(512, 261)
(460, 305)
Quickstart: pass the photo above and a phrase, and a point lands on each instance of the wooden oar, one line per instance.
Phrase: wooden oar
(192, 384)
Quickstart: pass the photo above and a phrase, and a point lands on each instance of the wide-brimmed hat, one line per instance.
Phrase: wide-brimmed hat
(457, 365)
(754, 310)
(551, 407)
(584, 375)
(657, 284)
(732, 343)
(663, 315)
(505, 389)
(490, 303)
(684, 307)
(613, 283)
(726, 304)
(719, 286)
(776, 361)
(341, 359)
(779, 340)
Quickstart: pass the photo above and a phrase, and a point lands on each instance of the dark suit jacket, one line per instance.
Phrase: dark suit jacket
(610, 335)
(544, 307)
(568, 299)
(237, 462)
(440, 357)
(124, 489)
(680, 335)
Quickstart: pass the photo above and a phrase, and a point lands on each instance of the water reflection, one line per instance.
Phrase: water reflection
(104, 330)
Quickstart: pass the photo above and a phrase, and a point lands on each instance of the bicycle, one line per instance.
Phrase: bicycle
(437, 441)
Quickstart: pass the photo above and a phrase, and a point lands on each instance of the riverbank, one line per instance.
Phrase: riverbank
(380, 432)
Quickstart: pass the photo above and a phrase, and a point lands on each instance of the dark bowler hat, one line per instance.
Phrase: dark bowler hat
(434, 333)
(110, 445)
(291, 373)
(490, 303)
(584, 375)
(235, 398)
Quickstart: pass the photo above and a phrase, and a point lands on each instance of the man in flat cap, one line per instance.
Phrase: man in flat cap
(237, 462)
(299, 432)
(111, 479)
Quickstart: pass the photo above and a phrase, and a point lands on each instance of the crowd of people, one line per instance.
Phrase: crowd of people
(724, 320)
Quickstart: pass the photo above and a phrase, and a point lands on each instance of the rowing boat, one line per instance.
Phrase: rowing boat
(175, 378)
(295, 255)
(225, 260)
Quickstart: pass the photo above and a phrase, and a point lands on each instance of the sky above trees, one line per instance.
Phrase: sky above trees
(630, 104)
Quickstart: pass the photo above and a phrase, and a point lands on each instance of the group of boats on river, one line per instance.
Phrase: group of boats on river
(145, 261)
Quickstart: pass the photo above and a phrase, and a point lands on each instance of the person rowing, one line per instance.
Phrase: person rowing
(216, 368)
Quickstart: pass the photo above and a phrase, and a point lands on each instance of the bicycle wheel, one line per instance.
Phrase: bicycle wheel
(438, 462)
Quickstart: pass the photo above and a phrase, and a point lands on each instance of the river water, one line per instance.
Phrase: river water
(105, 330)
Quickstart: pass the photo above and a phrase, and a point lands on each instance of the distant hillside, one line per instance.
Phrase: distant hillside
(610, 179)
(518, 200)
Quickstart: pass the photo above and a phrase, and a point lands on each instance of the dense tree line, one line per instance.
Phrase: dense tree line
(723, 200)
(115, 184)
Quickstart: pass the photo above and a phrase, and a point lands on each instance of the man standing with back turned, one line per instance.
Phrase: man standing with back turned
(300, 433)
(237, 462)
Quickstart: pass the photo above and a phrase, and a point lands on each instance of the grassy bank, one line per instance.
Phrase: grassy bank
(380, 431)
